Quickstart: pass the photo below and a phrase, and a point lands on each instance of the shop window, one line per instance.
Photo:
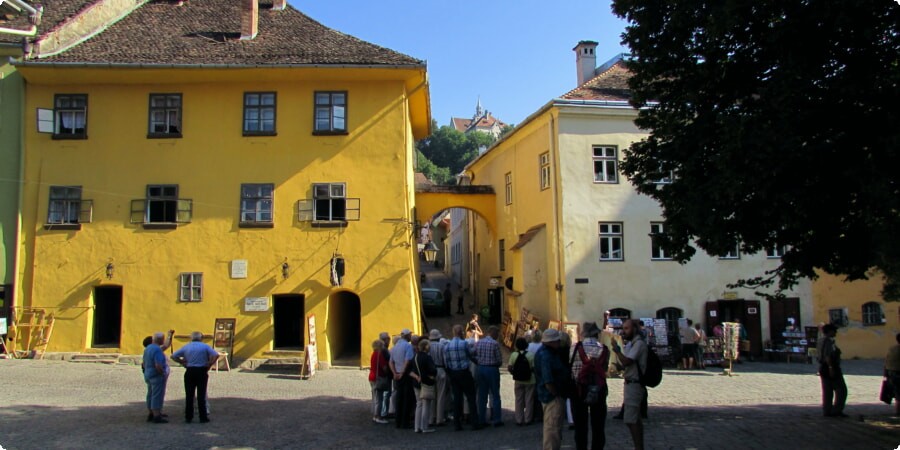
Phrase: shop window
(330, 113)
(872, 314)
(256, 205)
(67, 210)
(165, 116)
(671, 315)
(70, 114)
(191, 287)
(259, 113)
(611, 241)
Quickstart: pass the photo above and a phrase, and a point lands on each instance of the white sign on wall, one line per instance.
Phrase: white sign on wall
(256, 304)
(239, 268)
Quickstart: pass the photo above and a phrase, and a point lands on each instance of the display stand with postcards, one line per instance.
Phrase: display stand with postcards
(715, 350)
(731, 345)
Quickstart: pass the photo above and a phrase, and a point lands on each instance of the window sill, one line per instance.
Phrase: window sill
(256, 225)
(330, 133)
(605, 182)
(163, 135)
(611, 260)
(259, 133)
(160, 226)
(65, 137)
(62, 226)
(329, 224)
(661, 259)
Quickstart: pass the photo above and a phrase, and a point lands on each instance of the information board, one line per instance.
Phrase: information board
(256, 304)
(223, 338)
(312, 351)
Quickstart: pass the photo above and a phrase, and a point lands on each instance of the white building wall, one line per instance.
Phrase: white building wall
(458, 269)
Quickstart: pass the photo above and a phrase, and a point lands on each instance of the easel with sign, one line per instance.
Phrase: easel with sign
(223, 342)
(311, 357)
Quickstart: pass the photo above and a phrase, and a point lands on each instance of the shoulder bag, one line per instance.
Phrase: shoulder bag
(382, 383)
(426, 392)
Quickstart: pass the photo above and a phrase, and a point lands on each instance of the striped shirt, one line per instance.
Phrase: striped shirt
(437, 353)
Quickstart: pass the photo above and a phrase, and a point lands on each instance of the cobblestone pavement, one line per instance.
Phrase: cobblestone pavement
(57, 404)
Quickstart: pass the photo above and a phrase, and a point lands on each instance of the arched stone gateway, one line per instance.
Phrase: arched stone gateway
(432, 199)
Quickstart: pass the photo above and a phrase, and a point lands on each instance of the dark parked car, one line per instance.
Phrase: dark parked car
(433, 302)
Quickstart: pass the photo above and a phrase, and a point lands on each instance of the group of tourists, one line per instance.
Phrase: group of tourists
(693, 346)
(196, 357)
(424, 382)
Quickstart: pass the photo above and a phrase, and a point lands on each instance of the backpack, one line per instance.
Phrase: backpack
(651, 376)
(521, 368)
(591, 378)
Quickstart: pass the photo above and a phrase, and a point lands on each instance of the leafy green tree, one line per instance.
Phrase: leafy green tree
(506, 130)
(437, 175)
(781, 124)
(446, 147)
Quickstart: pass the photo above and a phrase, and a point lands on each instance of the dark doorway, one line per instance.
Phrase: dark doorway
(344, 328)
(779, 313)
(288, 318)
(495, 305)
(107, 316)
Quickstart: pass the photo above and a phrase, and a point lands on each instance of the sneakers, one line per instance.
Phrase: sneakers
(429, 430)
(379, 420)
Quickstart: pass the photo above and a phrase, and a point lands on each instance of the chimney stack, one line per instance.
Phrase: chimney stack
(585, 60)
(249, 19)
(279, 5)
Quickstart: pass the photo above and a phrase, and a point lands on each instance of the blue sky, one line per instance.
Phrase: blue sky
(516, 55)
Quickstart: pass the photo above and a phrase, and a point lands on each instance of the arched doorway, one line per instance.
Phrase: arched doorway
(344, 328)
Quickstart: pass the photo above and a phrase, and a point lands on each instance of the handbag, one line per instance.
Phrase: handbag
(426, 392)
(887, 390)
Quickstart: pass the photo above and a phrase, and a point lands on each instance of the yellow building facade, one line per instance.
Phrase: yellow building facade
(177, 194)
(867, 325)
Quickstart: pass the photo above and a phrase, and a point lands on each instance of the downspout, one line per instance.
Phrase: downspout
(554, 156)
(29, 32)
(20, 203)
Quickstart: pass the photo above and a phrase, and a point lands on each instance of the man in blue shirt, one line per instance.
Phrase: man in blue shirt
(156, 373)
(548, 375)
(457, 356)
(197, 358)
(401, 355)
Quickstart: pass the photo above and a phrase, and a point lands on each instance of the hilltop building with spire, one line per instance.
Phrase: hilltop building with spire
(482, 121)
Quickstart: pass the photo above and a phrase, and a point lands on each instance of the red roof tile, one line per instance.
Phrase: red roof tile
(610, 85)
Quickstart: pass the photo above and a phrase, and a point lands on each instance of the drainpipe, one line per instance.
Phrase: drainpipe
(29, 32)
(34, 15)
(20, 202)
(554, 156)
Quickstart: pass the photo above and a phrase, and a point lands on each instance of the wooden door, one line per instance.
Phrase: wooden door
(752, 320)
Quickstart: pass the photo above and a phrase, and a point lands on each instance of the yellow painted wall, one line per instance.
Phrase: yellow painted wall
(533, 275)
(856, 339)
(212, 160)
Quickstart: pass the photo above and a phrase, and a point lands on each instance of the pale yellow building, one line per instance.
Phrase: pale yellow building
(573, 236)
(222, 159)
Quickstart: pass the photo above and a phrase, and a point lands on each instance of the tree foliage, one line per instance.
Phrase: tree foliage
(446, 147)
(780, 120)
(437, 175)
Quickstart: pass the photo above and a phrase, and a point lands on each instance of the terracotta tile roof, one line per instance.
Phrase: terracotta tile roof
(610, 84)
(526, 237)
(55, 11)
(208, 32)
(460, 124)
(488, 121)
(421, 180)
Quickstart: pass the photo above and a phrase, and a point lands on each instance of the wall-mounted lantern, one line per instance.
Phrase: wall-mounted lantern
(110, 270)
(337, 270)
(285, 269)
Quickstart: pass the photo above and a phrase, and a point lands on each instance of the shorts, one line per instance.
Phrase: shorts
(634, 396)
(688, 350)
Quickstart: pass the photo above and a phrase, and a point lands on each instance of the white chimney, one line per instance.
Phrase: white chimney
(249, 19)
(585, 60)
(279, 5)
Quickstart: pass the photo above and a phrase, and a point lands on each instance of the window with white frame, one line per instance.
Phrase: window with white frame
(330, 112)
(70, 112)
(257, 203)
(775, 252)
(605, 164)
(545, 170)
(611, 241)
(509, 191)
(259, 113)
(656, 251)
(165, 115)
(67, 207)
(668, 178)
(161, 208)
(191, 287)
(330, 202)
(872, 314)
(734, 253)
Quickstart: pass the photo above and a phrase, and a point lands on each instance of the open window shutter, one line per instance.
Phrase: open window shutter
(352, 209)
(138, 210)
(185, 210)
(305, 210)
(86, 211)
